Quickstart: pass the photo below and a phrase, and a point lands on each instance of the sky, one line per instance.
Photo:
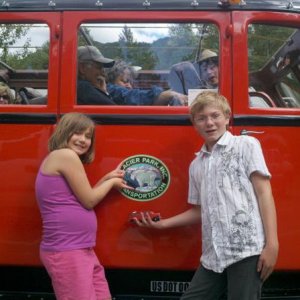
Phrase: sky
(141, 33)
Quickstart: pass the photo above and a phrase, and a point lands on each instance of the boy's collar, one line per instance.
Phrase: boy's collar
(223, 141)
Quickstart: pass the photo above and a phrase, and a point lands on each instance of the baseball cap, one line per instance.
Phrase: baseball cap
(86, 53)
(206, 54)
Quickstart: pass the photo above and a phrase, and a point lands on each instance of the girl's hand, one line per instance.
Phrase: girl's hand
(119, 183)
(116, 173)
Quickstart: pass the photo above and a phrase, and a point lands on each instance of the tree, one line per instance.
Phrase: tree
(36, 60)
(126, 35)
(263, 41)
(9, 34)
(135, 53)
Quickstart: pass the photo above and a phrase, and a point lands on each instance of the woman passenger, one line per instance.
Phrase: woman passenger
(6, 96)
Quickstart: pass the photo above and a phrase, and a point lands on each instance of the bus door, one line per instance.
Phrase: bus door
(29, 63)
(266, 105)
(157, 143)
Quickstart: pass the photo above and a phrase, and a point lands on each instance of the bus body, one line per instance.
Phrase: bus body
(258, 45)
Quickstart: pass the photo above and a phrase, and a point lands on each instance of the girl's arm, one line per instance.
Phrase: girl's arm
(266, 204)
(70, 166)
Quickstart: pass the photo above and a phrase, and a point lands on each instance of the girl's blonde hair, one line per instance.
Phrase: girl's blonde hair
(69, 124)
(210, 98)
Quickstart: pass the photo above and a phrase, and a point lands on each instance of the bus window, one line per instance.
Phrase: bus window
(24, 58)
(152, 62)
(274, 65)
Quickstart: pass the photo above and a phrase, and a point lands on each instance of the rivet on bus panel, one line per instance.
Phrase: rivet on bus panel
(51, 3)
(5, 4)
(195, 3)
(98, 3)
(146, 3)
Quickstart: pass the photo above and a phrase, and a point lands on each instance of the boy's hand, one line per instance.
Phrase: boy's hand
(267, 261)
(155, 217)
(147, 219)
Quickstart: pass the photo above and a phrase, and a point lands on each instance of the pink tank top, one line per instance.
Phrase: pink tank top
(67, 225)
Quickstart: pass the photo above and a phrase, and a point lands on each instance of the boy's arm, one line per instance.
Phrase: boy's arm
(189, 217)
(266, 204)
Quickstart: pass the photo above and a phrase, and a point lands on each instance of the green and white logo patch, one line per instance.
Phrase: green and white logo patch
(148, 175)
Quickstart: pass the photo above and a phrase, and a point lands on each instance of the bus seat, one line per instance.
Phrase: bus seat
(260, 99)
(38, 100)
(183, 76)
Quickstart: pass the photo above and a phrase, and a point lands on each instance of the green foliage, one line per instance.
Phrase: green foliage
(22, 56)
(129, 50)
(210, 37)
(126, 36)
(9, 34)
(37, 60)
(264, 41)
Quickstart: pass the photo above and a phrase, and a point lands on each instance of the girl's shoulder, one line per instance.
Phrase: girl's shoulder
(59, 160)
(64, 153)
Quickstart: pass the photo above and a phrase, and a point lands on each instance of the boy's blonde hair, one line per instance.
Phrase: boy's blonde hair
(210, 98)
(69, 124)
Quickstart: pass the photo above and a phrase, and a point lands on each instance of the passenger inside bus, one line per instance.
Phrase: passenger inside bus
(203, 74)
(208, 64)
(121, 74)
(91, 85)
(120, 87)
(6, 96)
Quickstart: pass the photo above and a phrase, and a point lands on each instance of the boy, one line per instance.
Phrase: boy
(229, 188)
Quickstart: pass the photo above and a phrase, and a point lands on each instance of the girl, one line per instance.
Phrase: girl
(66, 201)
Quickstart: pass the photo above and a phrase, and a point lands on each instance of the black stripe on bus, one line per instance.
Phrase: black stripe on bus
(184, 120)
(151, 120)
(27, 118)
(169, 120)
(246, 120)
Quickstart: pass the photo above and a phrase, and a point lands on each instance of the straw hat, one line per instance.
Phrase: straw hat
(206, 54)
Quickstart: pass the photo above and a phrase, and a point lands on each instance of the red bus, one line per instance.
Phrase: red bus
(258, 47)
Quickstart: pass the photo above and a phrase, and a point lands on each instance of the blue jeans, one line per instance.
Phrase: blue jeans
(240, 281)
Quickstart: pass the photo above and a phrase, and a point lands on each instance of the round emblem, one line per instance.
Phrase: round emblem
(148, 175)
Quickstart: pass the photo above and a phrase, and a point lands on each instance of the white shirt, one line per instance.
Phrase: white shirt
(220, 183)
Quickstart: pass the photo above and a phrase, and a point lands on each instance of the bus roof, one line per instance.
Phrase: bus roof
(61, 5)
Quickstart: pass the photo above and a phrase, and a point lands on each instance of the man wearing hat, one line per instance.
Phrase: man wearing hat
(91, 85)
(208, 66)
(203, 74)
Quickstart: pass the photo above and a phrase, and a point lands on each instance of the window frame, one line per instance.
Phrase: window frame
(52, 20)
